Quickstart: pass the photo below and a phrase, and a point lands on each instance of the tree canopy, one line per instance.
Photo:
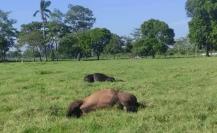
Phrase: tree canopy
(70, 34)
(115, 45)
(100, 37)
(155, 38)
(203, 25)
(86, 42)
(79, 18)
(7, 33)
(32, 35)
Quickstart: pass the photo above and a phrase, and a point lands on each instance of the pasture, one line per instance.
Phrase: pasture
(181, 95)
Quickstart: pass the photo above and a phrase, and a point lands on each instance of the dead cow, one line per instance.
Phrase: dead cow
(98, 77)
(101, 99)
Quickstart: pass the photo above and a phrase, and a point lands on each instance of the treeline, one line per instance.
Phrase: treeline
(71, 35)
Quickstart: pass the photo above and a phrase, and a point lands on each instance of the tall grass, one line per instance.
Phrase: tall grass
(181, 94)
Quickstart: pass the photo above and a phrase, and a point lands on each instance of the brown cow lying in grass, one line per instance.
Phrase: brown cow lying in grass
(101, 99)
(98, 77)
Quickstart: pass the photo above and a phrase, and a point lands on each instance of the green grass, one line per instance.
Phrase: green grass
(181, 94)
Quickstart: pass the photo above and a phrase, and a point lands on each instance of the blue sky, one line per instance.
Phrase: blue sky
(119, 16)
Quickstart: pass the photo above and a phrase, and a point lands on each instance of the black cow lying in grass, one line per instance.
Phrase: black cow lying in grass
(101, 99)
(98, 77)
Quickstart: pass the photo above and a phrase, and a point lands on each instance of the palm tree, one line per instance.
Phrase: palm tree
(45, 13)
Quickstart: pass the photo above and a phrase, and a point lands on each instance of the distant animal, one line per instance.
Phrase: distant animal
(98, 77)
(102, 99)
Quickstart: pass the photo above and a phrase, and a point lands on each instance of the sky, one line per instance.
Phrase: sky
(119, 16)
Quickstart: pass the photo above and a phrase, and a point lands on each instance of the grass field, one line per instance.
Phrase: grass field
(181, 94)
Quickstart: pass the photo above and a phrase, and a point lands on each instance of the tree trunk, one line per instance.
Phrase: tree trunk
(4, 55)
(207, 53)
(97, 56)
(207, 50)
(79, 56)
(33, 51)
(195, 54)
(40, 57)
(44, 37)
(57, 53)
(1, 56)
(45, 52)
(52, 53)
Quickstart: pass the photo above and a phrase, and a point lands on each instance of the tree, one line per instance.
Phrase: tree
(203, 25)
(127, 44)
(84, 41)
(68, 46)
(45, 13)
(28, 52)
(146, 47)
(155, 38)
(3, 47)
(56, 16)
(16, 53)
(7, 33)
(115, 45)
(56, 30)
(137, 34)
(32, 35)
(79, 18)
(76, 45)
(183, 46)
(100, 37)
(199, 33)
(159, 30)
